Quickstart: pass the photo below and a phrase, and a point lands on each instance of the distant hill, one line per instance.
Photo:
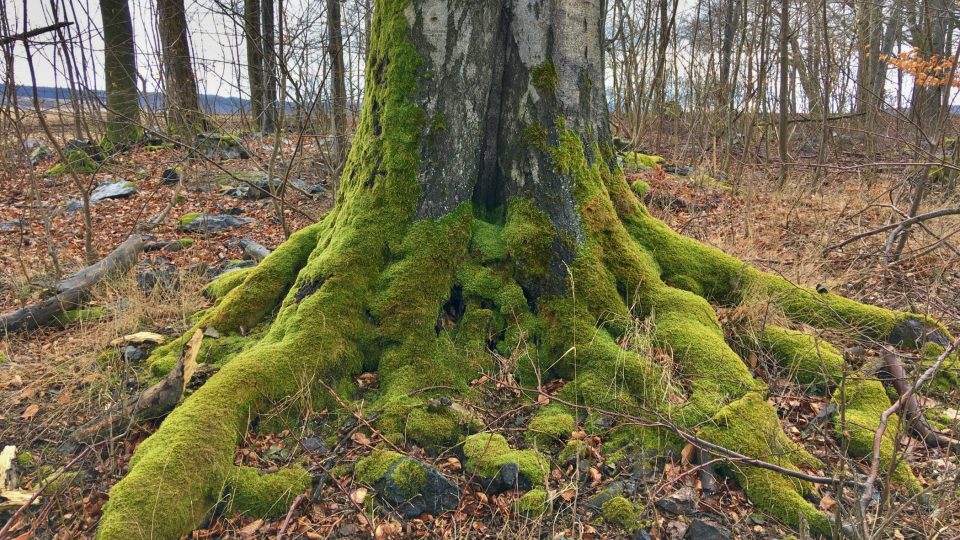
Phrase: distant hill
(52, 97)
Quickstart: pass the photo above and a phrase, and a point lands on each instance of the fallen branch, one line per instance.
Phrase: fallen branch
(885, 418)
(915, 419)
(150, 404)
(74, 290)
(253, 251)
(899, 225)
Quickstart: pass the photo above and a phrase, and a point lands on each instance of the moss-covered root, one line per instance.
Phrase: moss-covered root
(720, 277)
(255, 494)
(806, 358)
(862, 403)
(750, 426)
(488, 453)
(245, 296)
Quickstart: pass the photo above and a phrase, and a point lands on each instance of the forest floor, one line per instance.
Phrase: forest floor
(55, 379)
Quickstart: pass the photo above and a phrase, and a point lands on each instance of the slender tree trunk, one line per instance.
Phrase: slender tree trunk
(268, 46)
(254, 41)
(338, 89)
(184, 118)
(783, 135)
(120, 72)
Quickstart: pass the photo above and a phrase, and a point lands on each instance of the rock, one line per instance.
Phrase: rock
(73, 205)
(682, 502)
(706, 529)
(39, 154)
(113, 190)
(642, 535)
(595, 502)
(255, 189)
(911, 332)
(211, 223)
(14, 225)
(507, 478)
(31, 143)
(222, 147)
(89, 148)
(161, 275)
(437, 495)
(678, 170)
(313, 444)
(133, 354)
(170, 176)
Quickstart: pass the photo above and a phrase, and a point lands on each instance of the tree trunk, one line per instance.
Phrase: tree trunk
(480, 208)
(254, 40)
(268, 46)
(120, 72)
(338, 88)
(184, 118)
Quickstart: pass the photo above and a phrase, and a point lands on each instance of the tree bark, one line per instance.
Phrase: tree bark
(120, 72)
(184, 118)
(268, 46)
(338, 88)
(254, 41)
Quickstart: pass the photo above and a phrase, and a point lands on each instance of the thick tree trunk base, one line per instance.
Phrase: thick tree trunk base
(511, 231)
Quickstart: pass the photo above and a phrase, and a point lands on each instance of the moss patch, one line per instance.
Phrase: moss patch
(544, 78)
(619, 511)
(487, 452)
(265, 495)
(532, 503)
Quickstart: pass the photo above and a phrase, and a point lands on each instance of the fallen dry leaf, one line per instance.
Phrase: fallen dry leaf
(30, 412)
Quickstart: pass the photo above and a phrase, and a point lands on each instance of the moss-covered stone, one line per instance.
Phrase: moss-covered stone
(76, 161)
(371, 469)
(644, 161)
(256, 494)
(532, 503)
(619, 511)
(487, 452)
(549, 425)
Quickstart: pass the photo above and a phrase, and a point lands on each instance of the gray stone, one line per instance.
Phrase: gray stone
(39, 154)
(222, 147)
(113, 190)
(706, 529)
(438, 494)
(13, 225)
(133, 354)
(911, 332)
(73, 205)
(214, 223)
(596, 502)
(170, 176)
(682, 502)
(508, 477)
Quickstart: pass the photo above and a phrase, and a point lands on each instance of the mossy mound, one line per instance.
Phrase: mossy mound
(621, 512)
(253, 493)
(642, 161)
(500, 467)
(532, 503)
(76, 161)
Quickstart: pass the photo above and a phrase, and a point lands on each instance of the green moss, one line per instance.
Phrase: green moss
(750, 426)
(410, 477)
(371, 469)
(185, 242)
(74, 316)
(863, 403)
(535, 136)
(645, 161)
(158, 147)
(544, 78)
(640, 187)
(551, 424)
(76, 161)
(808, 359)
(219, 287)
(619, 511)
(254, 494)
(25, 460)
(61, 483)
(188, 218)
(529, 235)
(486, 243)
(532, 503)
(432, 429)
(487, 452)
(947, 377)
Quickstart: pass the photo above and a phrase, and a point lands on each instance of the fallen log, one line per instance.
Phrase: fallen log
(73, 291)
